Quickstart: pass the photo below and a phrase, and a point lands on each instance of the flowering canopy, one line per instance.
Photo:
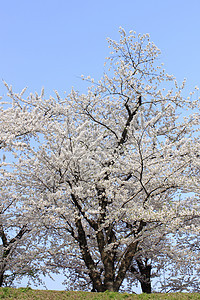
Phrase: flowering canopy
(108, 166)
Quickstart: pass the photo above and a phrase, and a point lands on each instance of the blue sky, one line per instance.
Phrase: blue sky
(46, 43)
(51, 43)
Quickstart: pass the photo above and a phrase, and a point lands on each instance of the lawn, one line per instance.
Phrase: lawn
(28, 293)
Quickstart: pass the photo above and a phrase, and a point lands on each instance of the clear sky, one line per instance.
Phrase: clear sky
(50, 43)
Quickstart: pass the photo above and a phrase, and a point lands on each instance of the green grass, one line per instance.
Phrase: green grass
(28, 293)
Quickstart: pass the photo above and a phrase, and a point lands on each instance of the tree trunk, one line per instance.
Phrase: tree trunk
(146, 280)
(109, 286)
(1, 278)
(145, 276)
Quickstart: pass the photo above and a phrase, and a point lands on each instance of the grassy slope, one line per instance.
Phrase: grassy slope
(28, 293)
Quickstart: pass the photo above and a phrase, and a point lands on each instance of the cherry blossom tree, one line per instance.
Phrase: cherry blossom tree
(105, 175)
(20, 122)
